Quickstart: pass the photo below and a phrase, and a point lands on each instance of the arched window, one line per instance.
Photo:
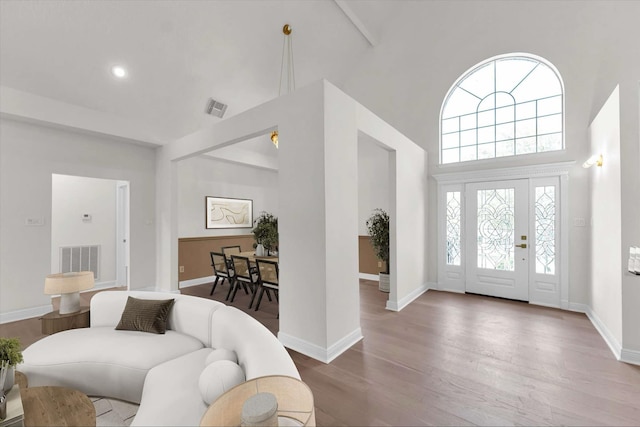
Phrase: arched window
(505, 106)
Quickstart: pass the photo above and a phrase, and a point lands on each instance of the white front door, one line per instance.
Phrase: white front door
(497, 244)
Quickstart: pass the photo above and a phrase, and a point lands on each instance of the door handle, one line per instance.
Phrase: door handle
(523, 246)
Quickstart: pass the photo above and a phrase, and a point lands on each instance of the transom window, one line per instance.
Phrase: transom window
(505, 106)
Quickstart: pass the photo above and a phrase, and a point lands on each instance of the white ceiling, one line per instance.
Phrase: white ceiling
(178, 53)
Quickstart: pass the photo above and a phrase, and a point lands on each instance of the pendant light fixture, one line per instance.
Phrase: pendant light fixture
(287, 56)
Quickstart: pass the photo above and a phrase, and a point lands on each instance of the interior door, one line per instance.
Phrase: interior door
(496, 246)
(122, 235)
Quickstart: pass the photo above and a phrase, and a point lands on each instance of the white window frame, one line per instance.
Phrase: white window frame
(475, 68)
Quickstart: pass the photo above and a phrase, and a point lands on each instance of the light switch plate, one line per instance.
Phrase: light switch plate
(579, 222)
(34, 221)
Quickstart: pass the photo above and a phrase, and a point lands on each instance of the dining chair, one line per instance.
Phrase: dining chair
(230, 250)
(244, 275)
(221, 270)
(268, 274)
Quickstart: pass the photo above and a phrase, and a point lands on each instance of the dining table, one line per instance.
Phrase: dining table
(252, 256)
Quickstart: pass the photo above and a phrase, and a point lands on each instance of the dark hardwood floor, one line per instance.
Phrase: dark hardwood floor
(451, 359)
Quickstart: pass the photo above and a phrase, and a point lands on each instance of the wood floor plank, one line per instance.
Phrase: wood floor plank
(454, 359)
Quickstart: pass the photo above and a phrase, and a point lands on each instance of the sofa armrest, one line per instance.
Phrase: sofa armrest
(260, 353)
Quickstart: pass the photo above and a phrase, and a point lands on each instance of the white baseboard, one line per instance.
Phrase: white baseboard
(27, 313)
(606, 334)
(325, 355)
(367, 276)
(630, 356)
(344, 344)
(103, 285)
(195, 282)
(620, 353)
(408, 299)
(577, 307)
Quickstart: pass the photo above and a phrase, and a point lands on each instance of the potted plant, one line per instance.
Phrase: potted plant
(10, 356)
(378, 229)
(265, 232)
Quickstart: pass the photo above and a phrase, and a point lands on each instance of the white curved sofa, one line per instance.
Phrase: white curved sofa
(159, 371)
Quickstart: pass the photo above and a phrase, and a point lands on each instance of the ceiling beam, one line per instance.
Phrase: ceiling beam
(368, 35)
(19, 105)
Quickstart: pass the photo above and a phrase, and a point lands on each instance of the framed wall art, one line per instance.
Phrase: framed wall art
(222, 212)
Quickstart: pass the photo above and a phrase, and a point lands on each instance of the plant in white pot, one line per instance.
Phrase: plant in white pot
(10, 356)
(265, 231)
(378, 229)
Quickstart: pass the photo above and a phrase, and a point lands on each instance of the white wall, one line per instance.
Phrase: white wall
(630, 178)
(606, 276)
(318, 211)
(29, 155)
(203, 176)
(617, 33)
(72, 197)
(373, 180)
(408, 207)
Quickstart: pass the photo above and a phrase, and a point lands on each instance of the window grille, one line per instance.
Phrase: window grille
(506, 106)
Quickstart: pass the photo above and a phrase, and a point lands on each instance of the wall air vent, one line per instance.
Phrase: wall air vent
(80, 258)
(215, 108)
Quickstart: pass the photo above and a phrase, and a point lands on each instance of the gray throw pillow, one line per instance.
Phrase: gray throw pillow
(145, 315)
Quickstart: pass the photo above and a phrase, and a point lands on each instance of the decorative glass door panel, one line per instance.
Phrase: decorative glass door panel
(497, 229)
(545, 212)
(454, 216)
(544, 267)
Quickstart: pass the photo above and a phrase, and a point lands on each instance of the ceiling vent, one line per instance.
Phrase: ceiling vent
(215, 108)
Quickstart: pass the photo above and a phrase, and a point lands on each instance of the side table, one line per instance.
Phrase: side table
(55, 322)
(295, 402)
(57, 406)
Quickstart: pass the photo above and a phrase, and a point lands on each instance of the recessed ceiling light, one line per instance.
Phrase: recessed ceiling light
(119, 72)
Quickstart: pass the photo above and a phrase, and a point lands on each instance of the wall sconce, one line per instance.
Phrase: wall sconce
(596, 159)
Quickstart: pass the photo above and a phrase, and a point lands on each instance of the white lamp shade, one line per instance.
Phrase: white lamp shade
(66, 283)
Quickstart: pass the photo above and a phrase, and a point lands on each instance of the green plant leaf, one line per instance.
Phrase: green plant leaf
(265, 230)
(10, 351)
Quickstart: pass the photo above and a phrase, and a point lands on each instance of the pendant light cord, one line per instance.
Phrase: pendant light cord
(287, 51)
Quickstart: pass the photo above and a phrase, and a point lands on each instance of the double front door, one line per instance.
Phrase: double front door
(502, 238)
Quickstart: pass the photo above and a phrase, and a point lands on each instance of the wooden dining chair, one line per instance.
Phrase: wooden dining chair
(268, 274)
(221, 270)
(230, 250)
(244, 276)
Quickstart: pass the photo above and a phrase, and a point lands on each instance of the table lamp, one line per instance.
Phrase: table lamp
(68, 285)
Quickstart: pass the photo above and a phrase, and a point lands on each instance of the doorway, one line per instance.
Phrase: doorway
(90, 228)
(122, 234)
(505, 233)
